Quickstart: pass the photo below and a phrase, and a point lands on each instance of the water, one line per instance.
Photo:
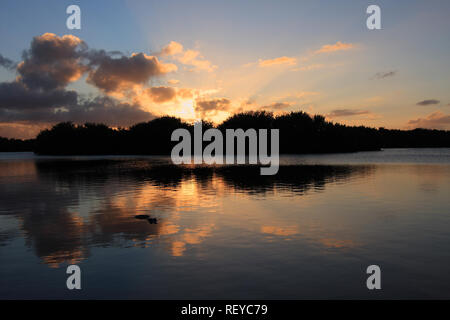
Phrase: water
(226, 232)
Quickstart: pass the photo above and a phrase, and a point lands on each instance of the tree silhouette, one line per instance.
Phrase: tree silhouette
(299, 133)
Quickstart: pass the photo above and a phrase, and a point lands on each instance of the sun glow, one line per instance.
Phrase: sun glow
(187, 109)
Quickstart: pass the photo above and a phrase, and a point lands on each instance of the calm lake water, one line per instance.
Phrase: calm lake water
(226, 232)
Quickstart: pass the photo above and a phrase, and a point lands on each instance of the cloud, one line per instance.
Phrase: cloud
(346, 113)
(290, 61)
(205, 106)
(278, 106)
(173, 81)
(38, 96)
(186, 93)
(105, 110)
(382, 75)
(428, 102)
(113, 74)
(187, 57)
(171, 49)
(162, 94)
(7, 63)
(338, 46)
(278, 61)
(15, 96)
(150, 97)
(99, 109)
(193, 58)
(435, 120)
(20, 130)
(52, 62)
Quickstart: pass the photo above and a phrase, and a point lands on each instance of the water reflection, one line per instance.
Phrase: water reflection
(66, 208)
(308, 232)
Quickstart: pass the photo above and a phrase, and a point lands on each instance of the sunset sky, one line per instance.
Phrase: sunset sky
(135, 60)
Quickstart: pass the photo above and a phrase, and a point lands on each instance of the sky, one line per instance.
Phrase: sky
(132, 61)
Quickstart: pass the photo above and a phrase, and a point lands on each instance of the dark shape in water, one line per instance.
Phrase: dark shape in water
(142, 216)
(146, 217)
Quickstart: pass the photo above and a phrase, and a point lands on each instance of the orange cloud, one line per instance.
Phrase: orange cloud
(338, 46)
(173, 81)
(172, 48)
(278, 61)
(21, 130)
(435, 120)
(193, 58)
(346, 113)
(187, 57)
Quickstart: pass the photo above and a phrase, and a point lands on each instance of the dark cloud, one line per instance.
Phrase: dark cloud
(16, 96)
(382, 75)
(346, 113)
(219, 104)
(107, 110)
(52, 62)
(162, 94)
(100, 110)
(38, 96)
(435, 120)
(111, 74)
(278, 106)
(7, 63)
(428, 102)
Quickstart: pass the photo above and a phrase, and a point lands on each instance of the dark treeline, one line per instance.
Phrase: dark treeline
(299, 133)
(16, 145)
